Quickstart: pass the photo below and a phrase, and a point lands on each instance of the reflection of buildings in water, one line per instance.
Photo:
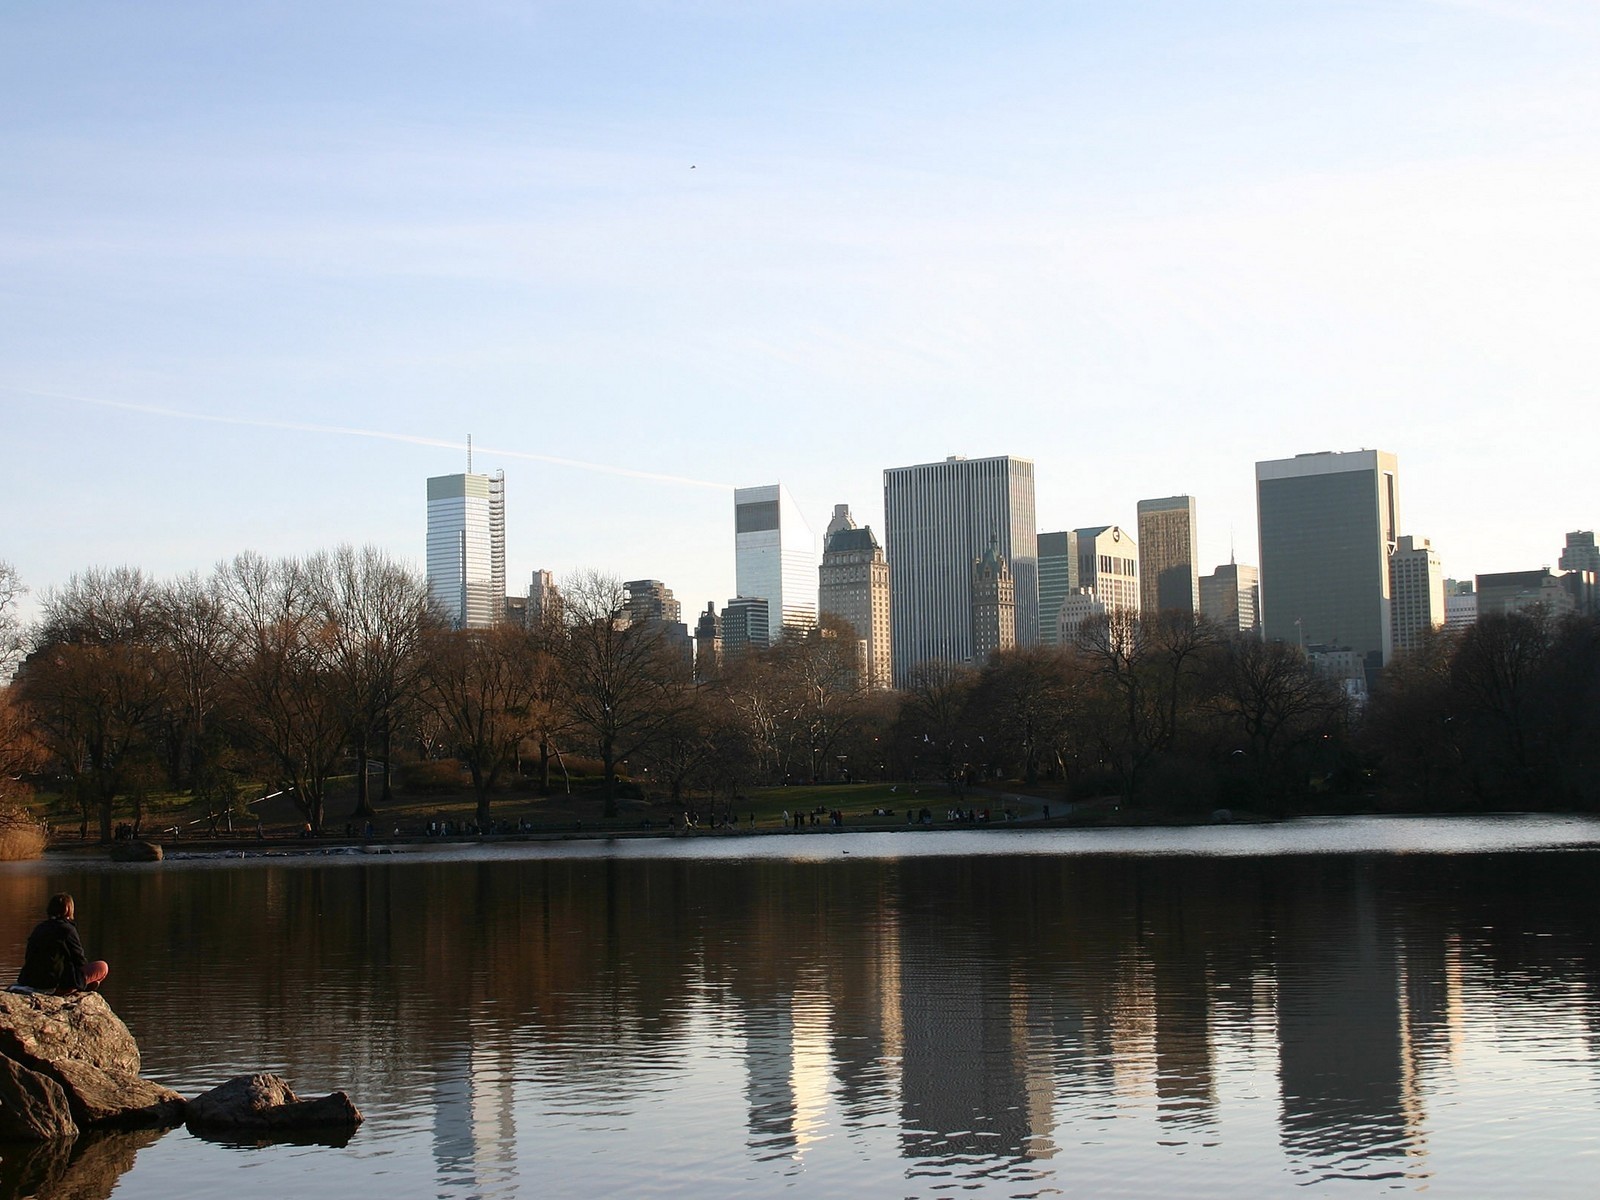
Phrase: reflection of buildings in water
(769, 1073)
(787, 1071)
(1185, 1084)
(964, 1087)
(474, 1122)
(866, 1032)
(1341, 1065)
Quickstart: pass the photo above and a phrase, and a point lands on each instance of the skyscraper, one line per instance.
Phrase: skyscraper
(1058, 576)
(1108, 565)
(467, 547)
(1416, 592)
(853, 583)
(775, 557)
(1230, 597)
(1580, 553)
(938, 518)
(1167, 575)
(1328, 523)
(744, 626)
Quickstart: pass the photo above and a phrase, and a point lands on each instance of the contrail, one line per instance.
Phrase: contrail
(412, 439)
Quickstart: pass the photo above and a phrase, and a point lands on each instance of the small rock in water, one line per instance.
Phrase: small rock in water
(266, 1102)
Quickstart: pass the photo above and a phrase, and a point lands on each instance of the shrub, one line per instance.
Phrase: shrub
(21, 834)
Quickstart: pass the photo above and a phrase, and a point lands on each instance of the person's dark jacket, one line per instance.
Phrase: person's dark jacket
(55, 958)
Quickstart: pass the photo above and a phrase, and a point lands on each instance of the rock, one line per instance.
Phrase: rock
(266, 1102)
(136, 852)
(115, 1100)
(33, 1106)
(38, 1029)
(84, 1048)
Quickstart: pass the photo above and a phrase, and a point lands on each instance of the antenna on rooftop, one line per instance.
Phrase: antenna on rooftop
(469, 454)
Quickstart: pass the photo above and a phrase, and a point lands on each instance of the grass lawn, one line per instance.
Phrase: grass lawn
(408, 814)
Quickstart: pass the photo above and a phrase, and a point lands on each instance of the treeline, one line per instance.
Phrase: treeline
(291, 673)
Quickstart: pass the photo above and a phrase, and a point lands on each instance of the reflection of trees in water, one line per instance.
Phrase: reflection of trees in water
(994, 1003)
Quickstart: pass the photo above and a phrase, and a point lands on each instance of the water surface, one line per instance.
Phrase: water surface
(1356, 1007)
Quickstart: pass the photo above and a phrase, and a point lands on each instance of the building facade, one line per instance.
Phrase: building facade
(938, 518)
(1077, 606)
(744, 626)
(853, 584)
(708, 644)
(1168, 580)
(1580, 553)
(1460, 604)
(1328, 523)
(1058, 575)
(467, 548)
(775, 557)
(994, 606)
(1416, 592)
(1230, 598)
(544, 599)
(1108, 565)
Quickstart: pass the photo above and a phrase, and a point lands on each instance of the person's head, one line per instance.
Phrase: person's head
(60, 906)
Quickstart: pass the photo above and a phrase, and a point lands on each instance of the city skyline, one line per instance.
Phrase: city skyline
(647, 253)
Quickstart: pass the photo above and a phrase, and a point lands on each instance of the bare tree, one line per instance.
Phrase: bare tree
(96, 683)
(194, 630)
(377, 614)
(1275, 701)
(480, 685)
(285, 694)
(623, 681)
(11, 592)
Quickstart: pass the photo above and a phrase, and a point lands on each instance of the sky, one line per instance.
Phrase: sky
(264, 267)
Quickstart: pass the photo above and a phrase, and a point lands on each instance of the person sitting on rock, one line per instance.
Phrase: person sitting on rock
(54, 961)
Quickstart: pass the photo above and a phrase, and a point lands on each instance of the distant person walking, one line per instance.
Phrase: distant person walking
(54, 961)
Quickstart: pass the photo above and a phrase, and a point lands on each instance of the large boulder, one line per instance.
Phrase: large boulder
(266, 1103)
(81, 1045)
(33, 1107)
(37, 1028)
(115, 1100)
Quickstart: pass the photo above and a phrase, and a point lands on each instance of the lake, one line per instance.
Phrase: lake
(1351, 1007)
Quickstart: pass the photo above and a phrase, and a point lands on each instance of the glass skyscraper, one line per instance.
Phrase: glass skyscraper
(1328, 523)
(775, 557)
(938, 520)
(467, 547)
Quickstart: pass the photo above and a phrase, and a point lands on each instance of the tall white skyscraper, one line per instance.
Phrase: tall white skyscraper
(775, 556)
(467, 547)
(1328, 523)
(938, 520)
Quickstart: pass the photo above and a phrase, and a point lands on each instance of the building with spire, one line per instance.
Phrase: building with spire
(994, 605)
(467, 548)
(853, 584)
(1230, 598)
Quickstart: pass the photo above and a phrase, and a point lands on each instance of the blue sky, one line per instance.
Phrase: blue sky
(709, 244)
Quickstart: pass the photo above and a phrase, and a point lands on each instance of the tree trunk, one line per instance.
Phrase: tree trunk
(363, 810)
(388, 760)
(608, 787)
